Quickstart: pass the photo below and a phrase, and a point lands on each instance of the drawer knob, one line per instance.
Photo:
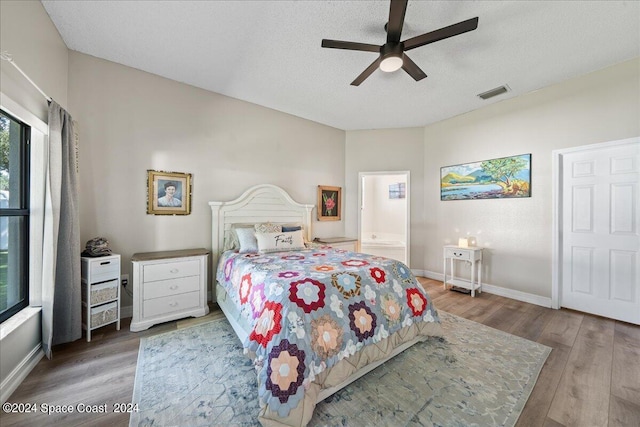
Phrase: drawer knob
(174, 270)
(173, 304)
(173, 287)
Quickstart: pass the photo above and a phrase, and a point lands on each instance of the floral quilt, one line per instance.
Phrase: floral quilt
(309, 309)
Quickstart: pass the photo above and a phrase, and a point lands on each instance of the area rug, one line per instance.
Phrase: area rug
(474, 376)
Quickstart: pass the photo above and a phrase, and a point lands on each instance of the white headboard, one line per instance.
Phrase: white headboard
(262, 203)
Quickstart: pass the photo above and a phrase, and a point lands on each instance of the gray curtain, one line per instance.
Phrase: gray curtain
(61, 300)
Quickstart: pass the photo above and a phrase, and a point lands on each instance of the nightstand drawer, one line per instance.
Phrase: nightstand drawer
(347, 246)
(164, 305)
(163, 288)
(101, 269)
(343, 243)
(171, 270)
(457, 253)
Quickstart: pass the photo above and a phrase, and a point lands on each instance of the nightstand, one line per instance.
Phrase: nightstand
(346, 243)
(100, 292)
(472, 255)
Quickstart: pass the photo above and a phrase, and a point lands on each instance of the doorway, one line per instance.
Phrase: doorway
(383, 220)
(596, 229)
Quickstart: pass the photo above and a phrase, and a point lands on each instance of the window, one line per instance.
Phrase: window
(14, 215)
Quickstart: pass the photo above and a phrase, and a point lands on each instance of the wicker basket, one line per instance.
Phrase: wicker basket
(102, 292)
(104, 314)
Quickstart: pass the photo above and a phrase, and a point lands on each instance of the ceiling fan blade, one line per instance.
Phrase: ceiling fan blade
(441, 34)
(412, 69)
(396, 20)
(337, 44)
(366, 73)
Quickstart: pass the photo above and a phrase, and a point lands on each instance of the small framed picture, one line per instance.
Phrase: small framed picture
(398, 191)
(168, 193)
(329, 203)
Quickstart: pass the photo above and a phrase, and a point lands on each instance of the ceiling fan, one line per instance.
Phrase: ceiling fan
(392, 53)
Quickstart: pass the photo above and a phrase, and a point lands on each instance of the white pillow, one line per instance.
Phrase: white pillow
(275, 242)
(231, 242)
(247, 240)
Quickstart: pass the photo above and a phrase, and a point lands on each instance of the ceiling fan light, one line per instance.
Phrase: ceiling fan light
(391, 64)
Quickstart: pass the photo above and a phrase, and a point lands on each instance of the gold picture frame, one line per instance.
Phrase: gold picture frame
(168, 193)
(329, 203)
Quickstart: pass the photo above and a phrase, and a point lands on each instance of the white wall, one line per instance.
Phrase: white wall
(388, 150)
(598, 107)
(131, 121)
(27, 33)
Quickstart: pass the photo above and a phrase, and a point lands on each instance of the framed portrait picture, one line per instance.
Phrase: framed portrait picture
(168, 193)
(329, 203)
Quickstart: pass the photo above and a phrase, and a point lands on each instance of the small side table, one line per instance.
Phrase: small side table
(100, 278)
(346, 243)
(471, 255)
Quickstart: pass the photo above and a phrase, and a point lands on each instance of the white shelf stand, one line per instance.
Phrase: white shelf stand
(472, 255)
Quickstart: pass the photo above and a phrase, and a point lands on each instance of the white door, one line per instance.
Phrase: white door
(600, 231)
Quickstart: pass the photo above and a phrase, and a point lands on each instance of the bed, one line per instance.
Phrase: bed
(312, 318)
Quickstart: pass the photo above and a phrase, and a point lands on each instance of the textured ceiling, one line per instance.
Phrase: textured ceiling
(268, 52)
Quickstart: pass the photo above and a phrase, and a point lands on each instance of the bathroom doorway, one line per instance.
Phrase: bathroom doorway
(383, 221)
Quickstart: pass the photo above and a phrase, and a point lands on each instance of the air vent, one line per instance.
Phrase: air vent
(494, 92)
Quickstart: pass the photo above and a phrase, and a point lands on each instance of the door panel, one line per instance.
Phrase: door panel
(600, 223)
(582, 273)
(623, 275)
(582, 209)
(623, 203)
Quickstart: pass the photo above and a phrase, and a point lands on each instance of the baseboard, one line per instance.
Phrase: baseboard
(495, 290)
(20, 372)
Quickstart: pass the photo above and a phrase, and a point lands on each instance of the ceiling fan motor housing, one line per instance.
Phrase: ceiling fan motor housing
(391, 56)
(391, 49)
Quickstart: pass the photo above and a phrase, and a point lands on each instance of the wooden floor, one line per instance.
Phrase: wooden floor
(591, 378)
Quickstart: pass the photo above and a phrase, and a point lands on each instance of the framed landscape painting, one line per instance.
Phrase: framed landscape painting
(506, 177)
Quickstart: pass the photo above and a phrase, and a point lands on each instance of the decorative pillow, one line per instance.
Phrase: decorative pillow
(276, 242)
(268, 227)
(247, 240)
(231, 242)
(293, 226)
(287, 229)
